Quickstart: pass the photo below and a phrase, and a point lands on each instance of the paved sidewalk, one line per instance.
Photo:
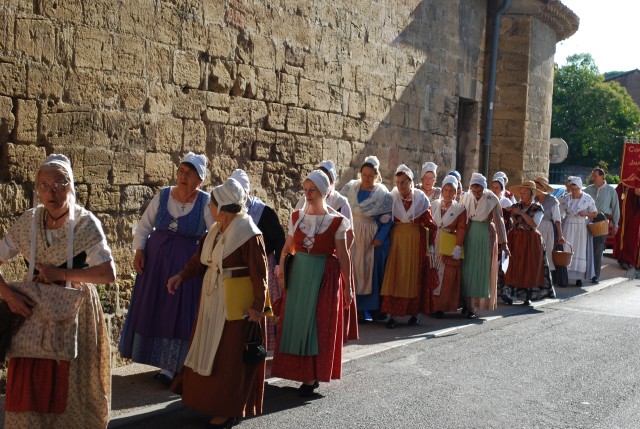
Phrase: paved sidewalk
(136, 395)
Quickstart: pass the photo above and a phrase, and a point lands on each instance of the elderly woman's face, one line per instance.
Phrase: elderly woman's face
(477, 190)
(53, 188)
(188, 179)
(368, 176)
(575, 190)
(525, 195)
(428, 180)
(404, 184)
(311, 193)
(496, 188)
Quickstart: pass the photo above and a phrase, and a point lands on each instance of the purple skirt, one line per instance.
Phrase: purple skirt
(158, 325)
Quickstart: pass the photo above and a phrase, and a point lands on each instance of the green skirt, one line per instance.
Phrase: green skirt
(476, 265)
(300, 330)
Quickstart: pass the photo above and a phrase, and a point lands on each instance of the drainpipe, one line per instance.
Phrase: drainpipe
(492, 87)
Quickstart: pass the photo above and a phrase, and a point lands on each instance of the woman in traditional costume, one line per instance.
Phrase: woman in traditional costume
(371, 203)
(428, 179)
(46, 393)
(485, 236)
(577, 208)
(214, 379)
(157, 328)
(626, 249)
(267, 221)
(310, 331)
(405, 291)
(450, 218)
(528, 259)
(551, 228)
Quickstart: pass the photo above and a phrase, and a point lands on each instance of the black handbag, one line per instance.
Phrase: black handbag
(254, 350)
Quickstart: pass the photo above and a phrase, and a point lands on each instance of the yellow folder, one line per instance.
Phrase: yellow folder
(447, 244)
(238, 293)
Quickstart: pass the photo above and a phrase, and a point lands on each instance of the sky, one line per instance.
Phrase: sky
(607, 31)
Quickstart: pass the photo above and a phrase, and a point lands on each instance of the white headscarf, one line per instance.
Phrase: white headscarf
(406, 170)
(478, 179)
(373, 160)
(428, 166)
(230, 192)
(500, 180)
(320, 180)
(198, 161)
(241, 177)
(575, 180)
(61, 161)
(450, 180)
(503, 176)
(328, 165)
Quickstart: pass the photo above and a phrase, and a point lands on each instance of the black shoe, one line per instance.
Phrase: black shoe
(306, 390)
(526, 302)
(471, 315)
(391, 323)
(464, 310)
(595, 280)
(164, 379)
(413, 321)
(380, 317)
(506, 299)
(579, 283)
(439, 314)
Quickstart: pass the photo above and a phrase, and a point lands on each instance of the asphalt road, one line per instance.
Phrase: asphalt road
(573, 364)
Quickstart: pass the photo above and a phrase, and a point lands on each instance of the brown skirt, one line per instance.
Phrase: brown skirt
(234, 389)
(526, 265)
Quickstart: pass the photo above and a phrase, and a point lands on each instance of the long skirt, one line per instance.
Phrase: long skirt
(234, 389)
(274, 294)
(158, 325)
(447, 296)
(43, 393)
(309, 339)
(368, 298)
(480, 266)
(526, 265)
(575, 232)
(404, 288)
(548, 231)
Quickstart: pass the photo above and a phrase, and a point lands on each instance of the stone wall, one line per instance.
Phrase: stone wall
(126, 88)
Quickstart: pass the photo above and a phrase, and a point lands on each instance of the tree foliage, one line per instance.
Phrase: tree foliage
(591, 115)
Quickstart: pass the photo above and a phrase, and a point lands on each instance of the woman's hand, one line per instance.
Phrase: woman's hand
(348, 294)
(50, 273)
(174, 283)
(505, 249)
(376, 243)
(254, 315)
(560, 240)
(20, 304)
(138, 261)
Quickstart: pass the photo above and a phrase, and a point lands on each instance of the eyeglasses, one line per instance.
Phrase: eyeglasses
(403, 182)
(368, 176)
(56, 186)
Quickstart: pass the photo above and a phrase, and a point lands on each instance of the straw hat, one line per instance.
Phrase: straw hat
(526, 184)
(544, 183)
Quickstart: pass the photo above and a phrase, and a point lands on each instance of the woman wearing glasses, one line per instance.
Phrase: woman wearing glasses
(157, 328)
(370, 203)
(404, 289)
(47, 393)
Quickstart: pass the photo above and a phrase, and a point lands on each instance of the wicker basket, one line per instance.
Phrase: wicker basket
(598, 229)
(561, 258)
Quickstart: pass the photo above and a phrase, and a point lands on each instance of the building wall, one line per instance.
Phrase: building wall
(631, 82)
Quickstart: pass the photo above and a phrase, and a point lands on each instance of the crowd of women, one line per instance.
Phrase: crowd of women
(364, 252)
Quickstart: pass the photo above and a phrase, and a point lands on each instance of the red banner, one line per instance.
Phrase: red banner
(630, 171)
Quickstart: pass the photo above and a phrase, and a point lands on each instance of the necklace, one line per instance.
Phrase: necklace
(308, 241)
(184, 201)
(56, 219)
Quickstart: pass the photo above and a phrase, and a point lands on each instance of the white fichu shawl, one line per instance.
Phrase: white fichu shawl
(212, 311)
(449, 217)
(479, 210)
(380, 201)
(419, 205)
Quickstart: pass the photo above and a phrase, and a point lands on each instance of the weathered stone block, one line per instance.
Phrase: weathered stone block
(165, 135)
(45, 81)
(160, 98)
(217, 116)
(103, 198)
(7, 119)
(186, 69)
(128, 167)
(296, 120)
(259, 113)
(276, 117)
(267, 81)
(356, 105)
(288, 89)
(317, 123)
(159, 59)
(376, 107)
(307, 91)
(166, 24)
(128, 54)
(220, 79)
(193, 34)
(14, 201)
(218, 101)
(351, 128)
(307, 152)
(191, 105)
(222, 41)
(69, 129)
(26, 121)
(24, 161)
(135, 197)
(7, 27)
(14, 79)
(264, 52)
(239, 111)
(195, 136)
(97, 165)
(36, 38)
(335, 125)
(93, 49)
(158, 169)
(263, 146)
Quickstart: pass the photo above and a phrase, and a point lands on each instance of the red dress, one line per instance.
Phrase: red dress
(327, 364)
(626, 247)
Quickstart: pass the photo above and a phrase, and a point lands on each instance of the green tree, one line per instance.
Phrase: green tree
(591, 115)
